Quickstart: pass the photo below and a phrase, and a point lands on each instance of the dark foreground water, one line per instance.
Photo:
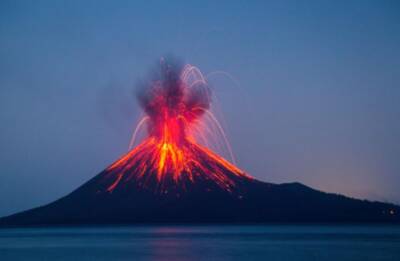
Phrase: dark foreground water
(203, 243)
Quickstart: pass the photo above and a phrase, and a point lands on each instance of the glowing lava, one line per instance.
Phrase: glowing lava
(174, 101)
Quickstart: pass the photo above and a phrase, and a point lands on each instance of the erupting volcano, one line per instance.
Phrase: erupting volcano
(174, 176)
(170, 158)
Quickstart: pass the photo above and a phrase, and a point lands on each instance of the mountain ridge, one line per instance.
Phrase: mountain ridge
(254, 202)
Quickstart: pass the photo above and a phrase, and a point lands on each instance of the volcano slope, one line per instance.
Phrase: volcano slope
(123, 194)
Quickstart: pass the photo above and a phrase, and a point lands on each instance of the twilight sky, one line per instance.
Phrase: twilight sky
(315, 94)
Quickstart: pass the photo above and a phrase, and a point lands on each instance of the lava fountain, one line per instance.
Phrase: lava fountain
(176, 102)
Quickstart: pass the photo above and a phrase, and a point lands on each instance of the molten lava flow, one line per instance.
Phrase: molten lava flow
(174, 103)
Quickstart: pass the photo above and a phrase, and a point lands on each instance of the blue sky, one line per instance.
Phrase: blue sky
(315, 97)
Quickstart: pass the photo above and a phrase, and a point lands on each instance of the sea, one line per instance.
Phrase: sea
(216, 242)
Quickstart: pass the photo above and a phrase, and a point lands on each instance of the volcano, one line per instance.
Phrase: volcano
(172, 176)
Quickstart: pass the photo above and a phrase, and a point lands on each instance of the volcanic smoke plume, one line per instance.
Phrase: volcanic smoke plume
(175, 101)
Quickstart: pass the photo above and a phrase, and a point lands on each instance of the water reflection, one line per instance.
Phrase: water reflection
(176, 243)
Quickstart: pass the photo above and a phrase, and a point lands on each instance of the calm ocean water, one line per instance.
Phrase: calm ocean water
(274, 242)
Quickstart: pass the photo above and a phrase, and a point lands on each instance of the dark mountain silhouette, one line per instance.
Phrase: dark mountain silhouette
(171, 178)
(112, 198)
